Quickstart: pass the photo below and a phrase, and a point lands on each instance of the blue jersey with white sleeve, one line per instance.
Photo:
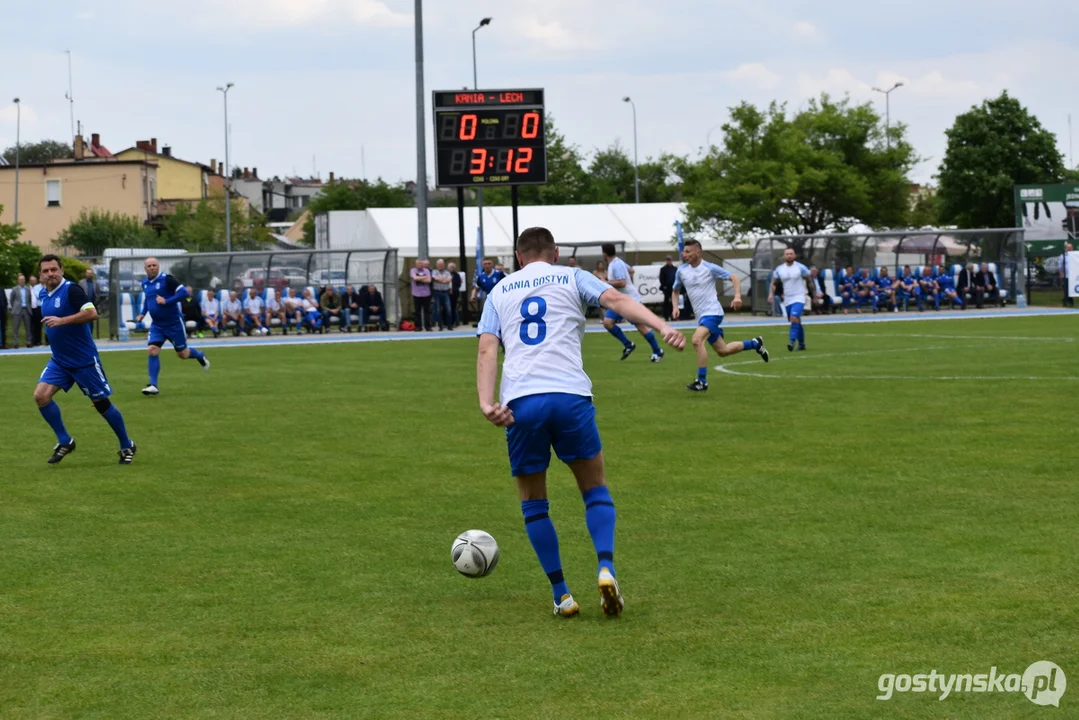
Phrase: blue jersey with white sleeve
(72, 346)
(700, 285)
(168, 287)
(538, 314)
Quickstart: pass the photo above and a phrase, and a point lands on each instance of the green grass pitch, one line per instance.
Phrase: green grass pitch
(901, 498)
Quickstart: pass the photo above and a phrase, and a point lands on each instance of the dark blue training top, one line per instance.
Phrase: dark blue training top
(72, 345)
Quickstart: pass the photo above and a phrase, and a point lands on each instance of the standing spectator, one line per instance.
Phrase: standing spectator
(312, 314)
(667, 274)
(19, 303)
(985, 285)
(253, 312)
(601, 270)
(351, 302)
(189, 308)
(487, 276)
(499, 267)
(375, 308)
(234, 312)
(441, 283)
(89, 286)
(822, 303)
(3, 321)
(276, 309)
(421, 295)
(1069, 301)
(572, 262)
(35, 312)
(329, 302)
(455, 294)
(211, 313)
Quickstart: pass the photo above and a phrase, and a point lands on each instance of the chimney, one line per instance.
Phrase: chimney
(166, 151)
(79, 147)
(255, 173)
(221, 169)
(331, 176)
(247, 173)
(213, 165)
(95, 140)
(153, 145)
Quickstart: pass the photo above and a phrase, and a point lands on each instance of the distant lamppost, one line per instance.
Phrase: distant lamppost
(636, 172)
(888, 111)
(476, 86)
(228, 175)
(18, 129)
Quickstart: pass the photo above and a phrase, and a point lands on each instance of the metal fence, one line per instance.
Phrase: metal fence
(894, 249)
(295, 269)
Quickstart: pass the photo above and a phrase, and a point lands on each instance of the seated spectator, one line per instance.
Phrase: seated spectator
(276, 309)
(822, 303)
(350, 306)
(985, 286)
(189, 306)
(847, 289)
(253, 313)
(293, 306)
(865, 289)
(330, 304)
(374, 308)
(211, 313)
(907, 288)
(929, 288)
(234, 313)
(312, 313)
(886, 289)
(948, 291)
(964, 285)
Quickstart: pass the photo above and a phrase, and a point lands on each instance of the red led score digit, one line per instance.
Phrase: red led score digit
(468, 127)
(524, 158)
(479, 161)
(530, 125)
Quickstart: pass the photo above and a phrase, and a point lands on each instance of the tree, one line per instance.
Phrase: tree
(95, 230)
(612, 178)
(925, 212)
(991, 148)
(825, 168)
(201, 227)
(356, 195)
(9, 260)
(39, 152)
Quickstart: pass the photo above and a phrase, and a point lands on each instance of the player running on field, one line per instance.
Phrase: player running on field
(793, 278)
(537, 314)
(67, 314)
(698, 277)
(620, 277)
(161, 296)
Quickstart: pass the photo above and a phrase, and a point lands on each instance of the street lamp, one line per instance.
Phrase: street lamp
(476, 86)
(636, 174)
(228, 176)
(18, 128)
(888, 111)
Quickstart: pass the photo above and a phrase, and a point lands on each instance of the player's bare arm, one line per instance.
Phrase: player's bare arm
(736, 304)
(638, 314)
(486, 378)
(675, 312)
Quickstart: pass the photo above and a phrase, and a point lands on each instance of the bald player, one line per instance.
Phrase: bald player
(161, 296)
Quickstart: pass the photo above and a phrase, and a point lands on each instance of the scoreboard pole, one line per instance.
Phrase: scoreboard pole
(463, 300)
(513, 203)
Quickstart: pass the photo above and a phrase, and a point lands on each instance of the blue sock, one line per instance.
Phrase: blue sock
(621, 336)
(750, 344)
(51, 413)
(544, 539)
(194, 354)
(651, 338)
(792, 333)
(801, 333)
(702, 374)
(116, 422)
(599, 516)
(155, 368)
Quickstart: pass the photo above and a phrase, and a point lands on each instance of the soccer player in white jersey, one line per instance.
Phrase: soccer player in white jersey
(698, 277)
(537, 314)
(620, 277)
(794, 278)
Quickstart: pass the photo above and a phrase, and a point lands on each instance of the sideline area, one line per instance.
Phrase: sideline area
(730, 321)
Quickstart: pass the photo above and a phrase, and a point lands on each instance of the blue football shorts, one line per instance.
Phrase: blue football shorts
(559, 420)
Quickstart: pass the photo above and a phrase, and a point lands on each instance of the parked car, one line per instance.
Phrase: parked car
(322, 278)
(257, 278)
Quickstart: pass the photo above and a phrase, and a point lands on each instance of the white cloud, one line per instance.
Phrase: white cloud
(9, 115)
(553, 35)
(753, 74)
(291, 14)
(805, 29)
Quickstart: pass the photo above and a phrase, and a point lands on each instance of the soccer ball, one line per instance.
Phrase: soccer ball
(474, 553)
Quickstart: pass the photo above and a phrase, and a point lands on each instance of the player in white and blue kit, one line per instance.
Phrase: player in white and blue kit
(537, 315)
(698, 278)
(619, 276)
(67, 314)
(796, 284)
(161, 296)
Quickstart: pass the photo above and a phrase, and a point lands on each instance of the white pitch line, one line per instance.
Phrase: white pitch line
(825, 333)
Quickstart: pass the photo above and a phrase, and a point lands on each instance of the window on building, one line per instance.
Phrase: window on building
(153, 190)
(52, 193)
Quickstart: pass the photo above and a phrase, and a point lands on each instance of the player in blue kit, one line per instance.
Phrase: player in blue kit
(537, 314)
(947, 290)
(698, 278)
(929, 287)
(619, 276)
(161, 296)
(67, 313)
(794, 280)
(907, 288)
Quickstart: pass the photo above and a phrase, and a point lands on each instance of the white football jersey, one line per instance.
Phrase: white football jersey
(618, 269)
(700, 284)
(538, 313)
(794, 285)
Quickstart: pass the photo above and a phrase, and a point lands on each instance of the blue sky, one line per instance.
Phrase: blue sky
(333, 80)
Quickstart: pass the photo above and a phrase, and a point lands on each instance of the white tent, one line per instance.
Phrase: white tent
(646, 227)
